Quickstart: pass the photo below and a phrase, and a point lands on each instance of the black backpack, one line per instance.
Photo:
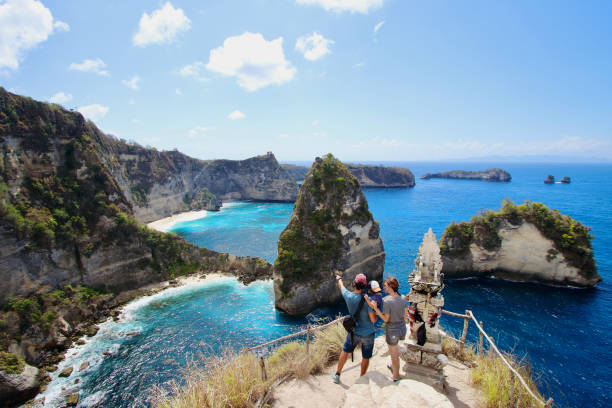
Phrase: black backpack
(350, 322)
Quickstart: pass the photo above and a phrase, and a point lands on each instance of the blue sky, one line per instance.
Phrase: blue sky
(368, 80)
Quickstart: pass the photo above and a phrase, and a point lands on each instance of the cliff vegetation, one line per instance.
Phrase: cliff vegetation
(312, 240)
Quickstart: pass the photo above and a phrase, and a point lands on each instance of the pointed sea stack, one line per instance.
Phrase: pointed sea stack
(550, 179)
(331, 229)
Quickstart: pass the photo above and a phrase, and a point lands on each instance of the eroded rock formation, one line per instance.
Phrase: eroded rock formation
(525, 242)
(485, 175)
(368, 176)
(331, 229)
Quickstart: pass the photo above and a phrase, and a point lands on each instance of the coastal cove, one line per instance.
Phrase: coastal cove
(572, 355)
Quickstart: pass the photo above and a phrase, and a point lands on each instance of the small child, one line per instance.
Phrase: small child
(376, 295)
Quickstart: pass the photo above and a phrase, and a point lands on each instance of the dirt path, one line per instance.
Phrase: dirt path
(377, 388)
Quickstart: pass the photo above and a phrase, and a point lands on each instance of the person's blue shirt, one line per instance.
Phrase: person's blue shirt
(364, 326)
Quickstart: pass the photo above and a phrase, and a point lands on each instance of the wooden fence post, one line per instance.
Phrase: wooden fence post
(465, 329)
(262, 363)
(481, 339)
(308, 339)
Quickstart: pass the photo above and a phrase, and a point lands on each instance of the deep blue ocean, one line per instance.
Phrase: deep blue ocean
(563, 332)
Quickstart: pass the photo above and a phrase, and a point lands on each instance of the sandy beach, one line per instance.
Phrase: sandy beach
(165, 224)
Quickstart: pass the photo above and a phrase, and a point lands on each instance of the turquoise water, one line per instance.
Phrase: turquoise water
(564, 332)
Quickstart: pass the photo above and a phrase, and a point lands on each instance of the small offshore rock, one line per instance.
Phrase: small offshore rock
(107, 352)
(550, 179)
(66, 372)
(84, 366)
(50, 368)
(92, 330)
(72, 400)
(80, 342)
(77, 380)
(566, 180)
(132, 333)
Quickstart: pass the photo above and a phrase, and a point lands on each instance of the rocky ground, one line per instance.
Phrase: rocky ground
(376, 388)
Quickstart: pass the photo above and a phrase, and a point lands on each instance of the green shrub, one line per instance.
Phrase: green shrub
(26, 308)
(47, 318)
(11, 363)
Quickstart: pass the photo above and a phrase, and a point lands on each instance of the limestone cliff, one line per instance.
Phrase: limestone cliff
(159, 184)
(368, 176)
(381, 176)
(331, 229)
(527, 242)
(485, 175)
(69, 241)
(68, 197)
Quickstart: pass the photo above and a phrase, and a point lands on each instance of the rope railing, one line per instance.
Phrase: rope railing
(501, 356)
(466, 319)
(308, 331)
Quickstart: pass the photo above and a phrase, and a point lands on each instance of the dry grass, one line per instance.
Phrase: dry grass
(499, 385)
(451, 349)
(501, 388)
(234, 380)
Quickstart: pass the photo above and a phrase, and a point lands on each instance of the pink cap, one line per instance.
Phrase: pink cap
(361, 278)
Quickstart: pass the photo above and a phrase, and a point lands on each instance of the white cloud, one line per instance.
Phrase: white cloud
(194, 70)
(377, 26)
(96, 66)
(23, 25)
(200, 131)
(61, 26)
(359, 64)
(255, 62)
(132, 83)
(313, 47)
(338, 6)
(162, 26)
(315, 123)
(60, 98)
(178, 91)
(94, 112)
(235, 115)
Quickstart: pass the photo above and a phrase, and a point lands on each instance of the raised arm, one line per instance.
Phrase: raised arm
(339, 282)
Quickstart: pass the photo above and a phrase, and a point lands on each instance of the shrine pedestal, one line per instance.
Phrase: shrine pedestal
(424, 363)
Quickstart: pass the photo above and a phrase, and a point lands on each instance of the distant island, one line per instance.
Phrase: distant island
(485, 175)
(369, 176)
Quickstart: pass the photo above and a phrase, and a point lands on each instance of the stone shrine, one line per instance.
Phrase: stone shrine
(424, 358)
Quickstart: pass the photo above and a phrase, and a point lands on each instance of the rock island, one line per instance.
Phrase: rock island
(527, 242)
(331, 229)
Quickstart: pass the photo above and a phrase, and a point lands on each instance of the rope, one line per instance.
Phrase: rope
(297, 334)
(544, 404)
